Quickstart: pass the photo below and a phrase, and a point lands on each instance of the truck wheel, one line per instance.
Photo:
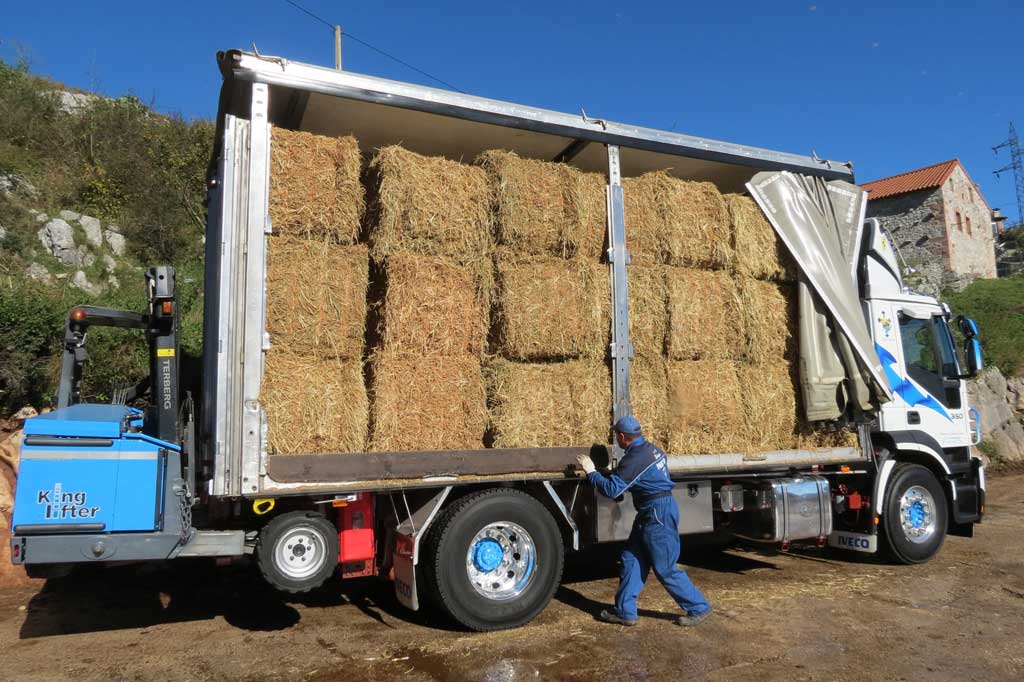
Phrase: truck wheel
(915, 514)
(297, 551)
(493, 559)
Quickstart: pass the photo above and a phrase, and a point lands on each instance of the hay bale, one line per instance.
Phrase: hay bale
(314, 404)
(645, 217)
(770, 406)
(648, 388)
(544, 208)
(822, 437)
(648, 309)
(758, 251)
(705, 408)
(434, 404)
(704, 315)
(554, 404)
(550, 308)
(428, 205)
(315, 190)
(433, 306)
(589, 238)
(698, 233)
(316, 296)
(770, 320)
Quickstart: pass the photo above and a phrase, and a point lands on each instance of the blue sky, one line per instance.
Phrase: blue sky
(889, 85)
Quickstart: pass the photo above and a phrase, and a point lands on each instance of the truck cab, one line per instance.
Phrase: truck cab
(929, 421)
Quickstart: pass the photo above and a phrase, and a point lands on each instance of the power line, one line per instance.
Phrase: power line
(374, 47)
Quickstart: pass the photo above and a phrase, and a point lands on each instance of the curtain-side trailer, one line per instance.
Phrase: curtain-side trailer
(107, 483)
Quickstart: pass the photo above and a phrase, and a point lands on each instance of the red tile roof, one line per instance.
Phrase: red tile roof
(911, 181)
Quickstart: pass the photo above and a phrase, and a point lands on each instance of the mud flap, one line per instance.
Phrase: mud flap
(405, 582)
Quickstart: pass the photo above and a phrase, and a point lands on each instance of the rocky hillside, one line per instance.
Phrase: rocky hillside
(92, 189)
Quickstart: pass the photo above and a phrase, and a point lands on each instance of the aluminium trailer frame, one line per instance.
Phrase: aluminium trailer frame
(235, 339)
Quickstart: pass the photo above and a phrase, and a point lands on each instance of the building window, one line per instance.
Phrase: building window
(968, 224)
(959, 222)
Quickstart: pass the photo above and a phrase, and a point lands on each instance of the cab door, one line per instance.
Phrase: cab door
(928, 380)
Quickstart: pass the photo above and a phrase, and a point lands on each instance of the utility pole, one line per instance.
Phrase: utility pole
(337, 47)
(1017, 166)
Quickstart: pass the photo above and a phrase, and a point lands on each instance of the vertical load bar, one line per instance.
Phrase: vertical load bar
(257, 228)
(618, 259)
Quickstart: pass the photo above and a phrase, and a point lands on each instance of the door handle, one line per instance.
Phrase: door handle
(913, 417)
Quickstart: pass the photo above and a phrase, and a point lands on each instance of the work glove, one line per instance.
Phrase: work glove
(586, 463)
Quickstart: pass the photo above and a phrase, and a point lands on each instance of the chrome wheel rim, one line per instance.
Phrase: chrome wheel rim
(300, 552)
(501, 561)
(917, 514)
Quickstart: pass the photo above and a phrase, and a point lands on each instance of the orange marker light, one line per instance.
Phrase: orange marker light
(339, 503)
(77, 314)
(845, 469)
(876, 520)
(168, 307)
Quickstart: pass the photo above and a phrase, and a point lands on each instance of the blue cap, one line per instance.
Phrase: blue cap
(627, 425)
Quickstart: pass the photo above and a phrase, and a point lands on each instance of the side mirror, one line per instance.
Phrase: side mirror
(972, 351)
(967, 326)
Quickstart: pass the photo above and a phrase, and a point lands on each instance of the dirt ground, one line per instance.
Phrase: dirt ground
(804, 615)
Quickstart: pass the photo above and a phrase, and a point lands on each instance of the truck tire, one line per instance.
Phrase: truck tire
(493, 560)
(914, 514)
(297, 551)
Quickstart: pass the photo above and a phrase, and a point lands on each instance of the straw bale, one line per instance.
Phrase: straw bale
(316, 296)
(704, 315)
(645, 217)
(697, 227)
(544, 208)
(648, 389)
(315, 190)
(590, 212)
(648, 309)
(770, 405)
(552, 308)
(433, 306)
(419, 403)
(822, 437)
(314, 404)
(556, 404)
(428, 205)
(758, 251)
(705, 408)
(769, 313)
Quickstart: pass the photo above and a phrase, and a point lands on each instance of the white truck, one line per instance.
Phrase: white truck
(111, 483)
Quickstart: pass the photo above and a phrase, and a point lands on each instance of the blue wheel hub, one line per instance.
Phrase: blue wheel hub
(917, 514)
(487, 555)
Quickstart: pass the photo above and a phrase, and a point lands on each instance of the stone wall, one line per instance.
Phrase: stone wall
(916, 223)
(972, 245)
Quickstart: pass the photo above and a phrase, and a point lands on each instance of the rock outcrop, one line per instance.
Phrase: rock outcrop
(58, 237)
(1000, 402)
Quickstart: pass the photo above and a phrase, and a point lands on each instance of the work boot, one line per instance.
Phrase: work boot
(612, 617)
(688, 620)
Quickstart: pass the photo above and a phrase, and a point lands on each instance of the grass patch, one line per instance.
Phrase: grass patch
(998, 307)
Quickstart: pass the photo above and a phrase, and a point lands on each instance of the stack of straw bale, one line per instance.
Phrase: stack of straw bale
(684, 321)
(550, 383)
(765, 273)
(313, 388)
(430, 237)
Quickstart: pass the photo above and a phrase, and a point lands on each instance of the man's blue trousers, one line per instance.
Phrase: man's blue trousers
(654, 543)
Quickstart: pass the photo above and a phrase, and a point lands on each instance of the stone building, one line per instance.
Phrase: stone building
(941, 223)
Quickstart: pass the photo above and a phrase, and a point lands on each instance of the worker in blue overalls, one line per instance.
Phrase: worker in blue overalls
(654, 539)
